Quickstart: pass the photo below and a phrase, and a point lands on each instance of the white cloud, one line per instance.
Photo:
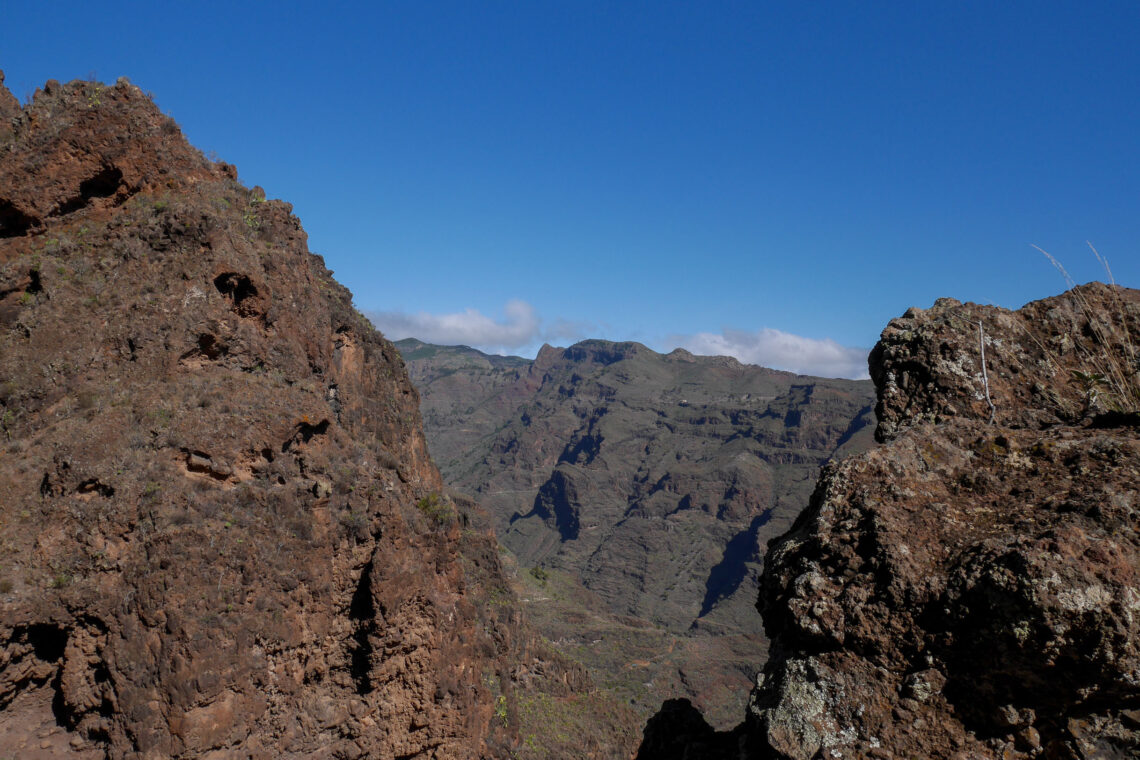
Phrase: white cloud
(780, 350)
(520, 329)
(565, 331)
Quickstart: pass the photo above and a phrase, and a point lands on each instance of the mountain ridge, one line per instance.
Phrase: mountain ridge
(649, 481)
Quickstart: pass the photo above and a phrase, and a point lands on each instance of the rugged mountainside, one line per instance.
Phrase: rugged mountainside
(971, 588)
(222, 533)
(639, 488)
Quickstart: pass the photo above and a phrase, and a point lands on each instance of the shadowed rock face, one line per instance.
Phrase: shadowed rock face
(968, 589)
(222, 532)
(651, 482)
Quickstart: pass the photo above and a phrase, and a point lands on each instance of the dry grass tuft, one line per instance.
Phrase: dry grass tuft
(1112, 374)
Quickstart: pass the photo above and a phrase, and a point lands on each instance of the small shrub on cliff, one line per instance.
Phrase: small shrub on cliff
(151, 492)
(8, 422)
(355, 525)
(435, 508)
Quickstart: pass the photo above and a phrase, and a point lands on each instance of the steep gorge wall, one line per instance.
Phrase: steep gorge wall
(643, 487)
(593, 459)
(222, 535)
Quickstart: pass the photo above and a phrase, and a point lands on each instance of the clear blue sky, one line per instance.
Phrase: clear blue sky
(651, 171)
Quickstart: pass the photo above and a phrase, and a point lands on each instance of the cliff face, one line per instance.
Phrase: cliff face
(969, 589)
(222, 532)
(641, 488)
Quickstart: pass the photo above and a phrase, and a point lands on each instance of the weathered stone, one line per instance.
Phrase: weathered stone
(986, 572)
(205, 557)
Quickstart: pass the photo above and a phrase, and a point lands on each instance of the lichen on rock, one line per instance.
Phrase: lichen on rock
(969, 589)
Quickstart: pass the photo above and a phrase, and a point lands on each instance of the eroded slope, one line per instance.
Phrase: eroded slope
(222, 532)
(637, 489)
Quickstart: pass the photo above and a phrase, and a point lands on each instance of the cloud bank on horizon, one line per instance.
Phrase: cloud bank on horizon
(522, 330)
(777, 349)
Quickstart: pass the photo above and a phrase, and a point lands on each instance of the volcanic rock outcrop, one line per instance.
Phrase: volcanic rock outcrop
(971, 588)
(639, 489)
(222, 533)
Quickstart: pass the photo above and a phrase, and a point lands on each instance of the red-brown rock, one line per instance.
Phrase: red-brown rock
(222, 533)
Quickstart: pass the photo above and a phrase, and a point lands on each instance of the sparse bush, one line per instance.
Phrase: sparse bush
(436, 508)
(246, 496)
(355, 525)
(301, 527)
(343, 482)
(1110, 378)
(205, 506)
(8, 422)
(181, 517)
(151, 491)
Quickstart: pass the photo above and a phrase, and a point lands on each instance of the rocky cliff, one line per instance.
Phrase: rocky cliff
(222, 533)
(971, 588)
(637, 491)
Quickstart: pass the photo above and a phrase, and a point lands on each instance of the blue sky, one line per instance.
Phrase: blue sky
(776, 180)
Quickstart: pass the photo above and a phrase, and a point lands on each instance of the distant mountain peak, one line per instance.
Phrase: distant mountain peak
(651, 481)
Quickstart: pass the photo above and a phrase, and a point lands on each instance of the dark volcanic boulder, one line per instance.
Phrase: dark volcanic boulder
(972, 589)
(1054, 361)
(222, 533)
(968, 589)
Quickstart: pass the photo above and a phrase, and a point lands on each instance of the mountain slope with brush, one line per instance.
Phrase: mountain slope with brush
(222, 531)
(640, 487)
